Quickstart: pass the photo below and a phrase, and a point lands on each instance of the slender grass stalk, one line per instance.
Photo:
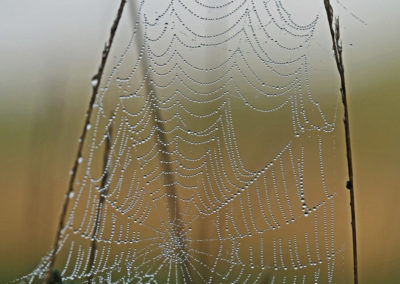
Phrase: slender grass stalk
(175, 217)
(102, 197)
(337, 48)
(95, 83)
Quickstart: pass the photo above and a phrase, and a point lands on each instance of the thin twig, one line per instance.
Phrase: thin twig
(175, 217)
(103, 193)
(95, 83)
(337, 48)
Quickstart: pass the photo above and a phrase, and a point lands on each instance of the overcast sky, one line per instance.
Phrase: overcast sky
(42, 40)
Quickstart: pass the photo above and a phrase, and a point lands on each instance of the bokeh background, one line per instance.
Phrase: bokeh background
(49, 51)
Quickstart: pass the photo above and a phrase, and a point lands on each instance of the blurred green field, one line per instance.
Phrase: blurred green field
(37, 150)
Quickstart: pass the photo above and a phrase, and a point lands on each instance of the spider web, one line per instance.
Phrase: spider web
(205, 161)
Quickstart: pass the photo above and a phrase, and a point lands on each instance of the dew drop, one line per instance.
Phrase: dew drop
(94, 81)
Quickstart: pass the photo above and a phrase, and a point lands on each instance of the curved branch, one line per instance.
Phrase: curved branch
(95, 83)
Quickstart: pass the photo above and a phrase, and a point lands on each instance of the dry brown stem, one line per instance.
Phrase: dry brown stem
(95, 83)
(337, 49)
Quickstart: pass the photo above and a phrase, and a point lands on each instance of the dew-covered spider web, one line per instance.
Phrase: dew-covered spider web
(211, 155)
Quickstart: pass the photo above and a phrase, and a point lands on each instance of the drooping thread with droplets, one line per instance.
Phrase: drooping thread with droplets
(181, 201)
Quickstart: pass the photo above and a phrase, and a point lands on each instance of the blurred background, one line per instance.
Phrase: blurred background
(49, 51)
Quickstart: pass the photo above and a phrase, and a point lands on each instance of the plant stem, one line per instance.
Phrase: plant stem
(95, 83)
(102, 197)
(174, 213)
(337, 48)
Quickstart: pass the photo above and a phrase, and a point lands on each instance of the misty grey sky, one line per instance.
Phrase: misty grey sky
(42, 40)
(60, 41)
